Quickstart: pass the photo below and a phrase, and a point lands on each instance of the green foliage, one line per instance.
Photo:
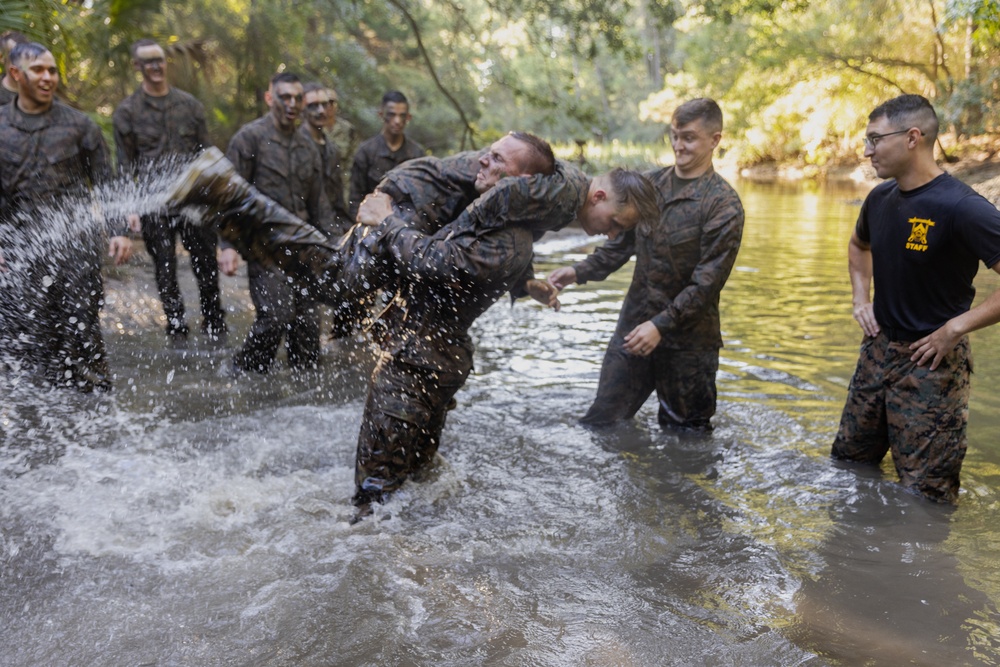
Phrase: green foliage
(795, 78)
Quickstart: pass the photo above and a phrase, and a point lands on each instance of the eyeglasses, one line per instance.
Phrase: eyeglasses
(871, 140)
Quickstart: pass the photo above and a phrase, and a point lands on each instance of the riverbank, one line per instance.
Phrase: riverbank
(981, 171)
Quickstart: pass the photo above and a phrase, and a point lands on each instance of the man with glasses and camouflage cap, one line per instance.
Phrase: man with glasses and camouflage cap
(919, 237)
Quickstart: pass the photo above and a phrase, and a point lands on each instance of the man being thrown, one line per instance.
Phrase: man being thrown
(448, 279)
(920, 236)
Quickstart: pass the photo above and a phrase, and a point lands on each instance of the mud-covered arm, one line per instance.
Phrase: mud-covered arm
(720, 242)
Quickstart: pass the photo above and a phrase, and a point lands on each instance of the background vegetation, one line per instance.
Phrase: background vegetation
(795, 77)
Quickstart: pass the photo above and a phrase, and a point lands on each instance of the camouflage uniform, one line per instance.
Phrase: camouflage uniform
(373, 160)
(6, 96)
(44, 157)
(345, 137)
(288, 169)
(925, 248)
(891, 394)
(450, 278)
(149, 129)
(333, 182)
(682, 263)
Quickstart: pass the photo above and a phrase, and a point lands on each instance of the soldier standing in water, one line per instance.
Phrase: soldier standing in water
(48, 151)
(156, 122)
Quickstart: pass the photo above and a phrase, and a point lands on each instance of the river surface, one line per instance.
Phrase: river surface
(195, 519)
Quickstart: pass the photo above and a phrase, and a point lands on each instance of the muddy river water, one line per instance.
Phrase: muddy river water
(191, 518)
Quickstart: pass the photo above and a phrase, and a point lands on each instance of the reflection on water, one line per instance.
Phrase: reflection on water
(193, 518)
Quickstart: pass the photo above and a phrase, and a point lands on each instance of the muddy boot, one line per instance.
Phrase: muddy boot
(259, 228)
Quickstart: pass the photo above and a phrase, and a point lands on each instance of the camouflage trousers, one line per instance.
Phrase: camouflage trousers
(284, 310)
(918, 414)
(402, 424)
(159, 233)
(49, 317)
(684, 381)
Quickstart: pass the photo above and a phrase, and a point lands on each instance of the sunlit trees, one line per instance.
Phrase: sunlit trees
(795, 77)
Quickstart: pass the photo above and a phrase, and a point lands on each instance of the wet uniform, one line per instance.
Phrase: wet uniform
(288, 169)
(43, 157)
(926, 245)
(450, 278)
(345, 137)
(333, 181)
(372, 161)
(682, 263)
(149, 129)
(6, 96)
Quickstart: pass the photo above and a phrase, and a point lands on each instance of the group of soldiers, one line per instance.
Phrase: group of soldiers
(437, 241)
(300, 165)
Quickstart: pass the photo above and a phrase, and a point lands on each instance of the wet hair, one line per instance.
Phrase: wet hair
(139, 43)
(540, 159)
(701, 107)
(394, 97)
(285, 77)
(12, 37)
(632, 189)
(26, 51)
(908, 111)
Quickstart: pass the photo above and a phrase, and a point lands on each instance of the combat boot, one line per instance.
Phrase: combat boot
(257, 226)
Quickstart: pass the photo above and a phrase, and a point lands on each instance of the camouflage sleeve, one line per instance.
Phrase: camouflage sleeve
(607, 259)
(519, 290)
(455, 254)
(537, 203)
(320, 211)
(720, 242)
(242, 153)
(124, 138)
(359, 180)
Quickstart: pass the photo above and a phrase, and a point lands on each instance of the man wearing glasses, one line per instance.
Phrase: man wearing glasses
(154, 123)
(319, 106)
(920, 236)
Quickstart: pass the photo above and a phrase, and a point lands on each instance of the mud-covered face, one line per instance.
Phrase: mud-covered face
(151, 62)
(319, 107)
(395, 116)
(37, 80)
(285, 100)
(504, 158)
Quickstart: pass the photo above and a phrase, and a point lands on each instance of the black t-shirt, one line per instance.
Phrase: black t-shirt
(926, 244)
